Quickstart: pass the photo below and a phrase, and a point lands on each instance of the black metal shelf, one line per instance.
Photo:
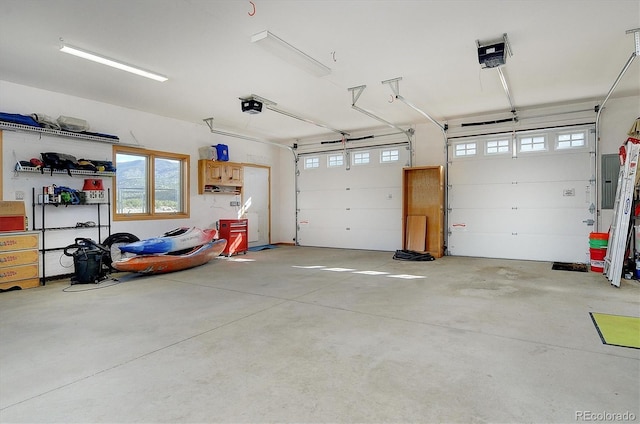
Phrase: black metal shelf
(72, 228)
(44, 229)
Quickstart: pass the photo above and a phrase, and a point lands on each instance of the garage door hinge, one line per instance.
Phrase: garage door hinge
(514, 208)
(589, 222)
(514, 234)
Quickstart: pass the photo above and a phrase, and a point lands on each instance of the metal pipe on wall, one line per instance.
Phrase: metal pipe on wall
(598, 115)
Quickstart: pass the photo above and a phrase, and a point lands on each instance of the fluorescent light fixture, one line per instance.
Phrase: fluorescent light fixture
(110, 62)
(289, 53)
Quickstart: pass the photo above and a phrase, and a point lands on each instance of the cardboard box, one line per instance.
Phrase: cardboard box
(12, 207)
(12, 216)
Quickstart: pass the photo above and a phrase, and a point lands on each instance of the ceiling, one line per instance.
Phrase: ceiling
(563, 51)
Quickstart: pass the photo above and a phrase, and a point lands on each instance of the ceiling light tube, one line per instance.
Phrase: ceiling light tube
(289, 53)
(110, 62)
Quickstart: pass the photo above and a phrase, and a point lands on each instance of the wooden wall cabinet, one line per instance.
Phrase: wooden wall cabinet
(219, 177)
(423, 209)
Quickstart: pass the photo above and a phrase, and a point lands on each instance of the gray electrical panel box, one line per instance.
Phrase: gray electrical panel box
(610, 172)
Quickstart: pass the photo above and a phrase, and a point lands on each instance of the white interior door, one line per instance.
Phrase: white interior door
(522, 196)
(256, 204)
(352, 201)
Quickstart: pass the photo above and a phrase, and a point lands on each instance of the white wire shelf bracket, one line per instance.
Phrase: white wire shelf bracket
(10, 126)
(47, 171)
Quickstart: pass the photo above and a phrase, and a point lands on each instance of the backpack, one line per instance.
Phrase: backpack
(58, 161)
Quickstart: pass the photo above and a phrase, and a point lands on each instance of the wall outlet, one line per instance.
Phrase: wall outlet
(19, 195)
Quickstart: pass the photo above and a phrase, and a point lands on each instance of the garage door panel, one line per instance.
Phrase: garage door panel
(489, 195)
(531, 207)
(487, 220)
(388, 219)
(322, 218)
(373, 198)
(553, 167)
(317, 199)
(533, 247)
(484, 245)
(557, 194)
(358, 208)
(551, 223)
(387, 176)
(382, 239)
(489, 171)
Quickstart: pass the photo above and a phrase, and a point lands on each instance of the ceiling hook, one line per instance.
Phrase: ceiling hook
(253, 12)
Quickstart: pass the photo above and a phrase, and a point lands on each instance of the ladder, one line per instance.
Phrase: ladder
(622, 210)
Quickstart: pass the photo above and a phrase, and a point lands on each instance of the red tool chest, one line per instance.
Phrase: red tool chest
(236, 232)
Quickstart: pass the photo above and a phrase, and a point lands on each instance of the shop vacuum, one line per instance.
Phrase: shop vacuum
(88, 261)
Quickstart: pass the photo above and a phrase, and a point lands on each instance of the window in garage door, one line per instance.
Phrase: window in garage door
(535, 203)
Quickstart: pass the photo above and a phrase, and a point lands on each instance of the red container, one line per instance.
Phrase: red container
(236, 232)
(597, 259)
(12, 223)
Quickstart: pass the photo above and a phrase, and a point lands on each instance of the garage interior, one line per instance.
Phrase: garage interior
(487, 134)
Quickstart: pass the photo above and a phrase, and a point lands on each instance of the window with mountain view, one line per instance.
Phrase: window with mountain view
(150, 184)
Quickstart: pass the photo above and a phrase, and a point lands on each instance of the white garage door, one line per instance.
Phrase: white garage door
(352, 199)
(525, 195)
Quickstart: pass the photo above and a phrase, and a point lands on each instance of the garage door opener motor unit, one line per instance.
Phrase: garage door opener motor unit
(493, 54)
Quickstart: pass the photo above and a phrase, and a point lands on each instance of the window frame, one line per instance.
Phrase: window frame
(470, 149)
(497, 147)
(357, 158)
(545, 143)
(585, 140)
(393, 154)
(315, 161)
(151, 156)
(335, 161)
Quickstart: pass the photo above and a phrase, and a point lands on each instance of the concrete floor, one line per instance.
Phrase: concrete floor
(265, 337)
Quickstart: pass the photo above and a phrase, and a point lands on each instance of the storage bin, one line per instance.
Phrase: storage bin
(222, 151)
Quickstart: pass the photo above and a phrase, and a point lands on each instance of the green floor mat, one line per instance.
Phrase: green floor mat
(617, 330)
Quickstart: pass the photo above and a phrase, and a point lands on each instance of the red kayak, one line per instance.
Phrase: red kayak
(174, 261)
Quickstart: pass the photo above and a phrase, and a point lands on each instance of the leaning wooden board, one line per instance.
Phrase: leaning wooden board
(416, 233)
